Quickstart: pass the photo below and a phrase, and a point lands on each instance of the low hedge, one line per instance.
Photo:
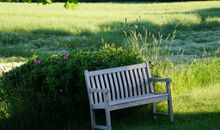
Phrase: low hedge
(50, 93)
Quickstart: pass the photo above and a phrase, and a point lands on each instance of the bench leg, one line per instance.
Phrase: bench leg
(92, 113)
(108, 119)
(170, 109)
(154, 108)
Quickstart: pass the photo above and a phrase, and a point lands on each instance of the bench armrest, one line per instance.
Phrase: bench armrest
(160, 80)
(104, 91)
(92, 90)
(166, 80)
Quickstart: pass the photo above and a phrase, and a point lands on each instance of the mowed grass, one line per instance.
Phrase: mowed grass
(195, 109)
(27, 29)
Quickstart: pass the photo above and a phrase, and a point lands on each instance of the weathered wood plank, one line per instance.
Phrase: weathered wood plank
(143, 89)
(116, 86)
(151, 88)
(145, 80)
(136, 102)
(102, 85)
(101, 127)
(125, 84)
(129, 84)
(133, 82)
(112, 86)
(137, 79)
(116, 69)
(94, 86)
(107, 85)
(120, 85)
(100, 99)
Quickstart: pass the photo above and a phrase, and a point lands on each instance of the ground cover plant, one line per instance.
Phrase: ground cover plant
(180, 39)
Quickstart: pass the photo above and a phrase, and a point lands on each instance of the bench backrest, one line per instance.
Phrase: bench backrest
(123, 82)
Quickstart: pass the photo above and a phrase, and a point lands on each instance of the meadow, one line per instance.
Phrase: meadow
(28, 29)
(184, 35)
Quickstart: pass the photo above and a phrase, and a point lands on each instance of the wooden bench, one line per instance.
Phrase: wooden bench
(124, 87)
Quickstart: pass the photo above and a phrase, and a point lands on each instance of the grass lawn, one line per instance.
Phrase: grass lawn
(27, 29)
(196, 109)
(190, 29)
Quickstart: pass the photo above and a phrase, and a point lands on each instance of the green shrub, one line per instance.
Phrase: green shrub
(50, 92)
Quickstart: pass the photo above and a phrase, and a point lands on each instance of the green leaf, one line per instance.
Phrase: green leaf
(71, 4)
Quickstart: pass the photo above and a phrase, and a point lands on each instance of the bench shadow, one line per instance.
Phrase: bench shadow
(182, 121)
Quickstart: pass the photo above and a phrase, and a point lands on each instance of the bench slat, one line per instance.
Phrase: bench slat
(95, 99)
(125, 84)
(137, 82)
(142, 81)
(98, 87)
(102, 85)
(145, 80)
(107, 85)
(136, 101)
(116, 85)
(133, 83)
(120, 85)
(138, 98)
(116, 69)
(112, 86)
(150, 84)
(129, 84)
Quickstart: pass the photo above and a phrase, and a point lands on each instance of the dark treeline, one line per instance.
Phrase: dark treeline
(139, 0)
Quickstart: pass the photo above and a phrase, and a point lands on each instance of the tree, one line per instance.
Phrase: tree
(70, 4)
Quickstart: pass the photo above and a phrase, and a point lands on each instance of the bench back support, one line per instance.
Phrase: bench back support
(122, 82)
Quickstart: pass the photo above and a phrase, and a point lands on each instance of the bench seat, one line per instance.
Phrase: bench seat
(133, 101)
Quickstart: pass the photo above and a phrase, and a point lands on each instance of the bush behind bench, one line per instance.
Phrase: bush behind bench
(50, 93)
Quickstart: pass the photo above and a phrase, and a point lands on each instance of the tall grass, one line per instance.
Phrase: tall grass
(196, 72)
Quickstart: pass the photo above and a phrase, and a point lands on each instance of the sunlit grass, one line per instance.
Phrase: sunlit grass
(90, 16)
(26, 29)
(195, 109)
(198, 100)
(195, 90)
(5, 67)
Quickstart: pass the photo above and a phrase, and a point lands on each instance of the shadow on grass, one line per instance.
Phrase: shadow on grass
(193, 121)
(114, 32)
(208, 13)
(129, 119)
(24, 44)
